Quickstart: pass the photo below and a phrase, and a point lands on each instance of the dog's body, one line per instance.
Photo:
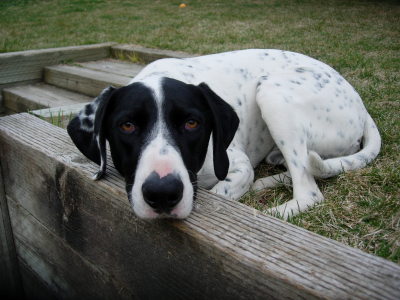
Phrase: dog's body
(292, 110)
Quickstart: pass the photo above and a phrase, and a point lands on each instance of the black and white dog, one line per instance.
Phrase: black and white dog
(276, 105)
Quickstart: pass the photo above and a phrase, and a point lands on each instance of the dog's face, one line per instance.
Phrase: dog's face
(158, 132)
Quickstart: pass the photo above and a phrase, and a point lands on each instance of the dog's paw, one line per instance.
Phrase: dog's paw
(281, 212)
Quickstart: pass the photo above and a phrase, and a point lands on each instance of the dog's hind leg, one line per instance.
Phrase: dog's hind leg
(287, 121)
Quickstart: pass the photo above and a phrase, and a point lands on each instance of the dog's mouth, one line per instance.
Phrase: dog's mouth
(160, 208)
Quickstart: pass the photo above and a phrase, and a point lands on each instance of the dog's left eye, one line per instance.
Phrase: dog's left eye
(127, 127)
(191, 125)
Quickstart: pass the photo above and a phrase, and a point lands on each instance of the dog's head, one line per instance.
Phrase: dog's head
(158, 131)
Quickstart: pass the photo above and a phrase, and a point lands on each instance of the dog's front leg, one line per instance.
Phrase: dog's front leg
(240, 176)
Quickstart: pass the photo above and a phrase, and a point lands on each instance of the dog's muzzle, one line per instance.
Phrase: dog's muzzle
(162, 193)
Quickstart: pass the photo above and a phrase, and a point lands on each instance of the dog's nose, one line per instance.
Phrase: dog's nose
(164, 193)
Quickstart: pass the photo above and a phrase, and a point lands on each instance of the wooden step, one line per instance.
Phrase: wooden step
(114, 66)
(136, 53)
(38, 96)
(91, 78)
(59, 116)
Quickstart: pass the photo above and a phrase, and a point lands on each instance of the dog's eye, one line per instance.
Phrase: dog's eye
(127, 127)
(191, 124)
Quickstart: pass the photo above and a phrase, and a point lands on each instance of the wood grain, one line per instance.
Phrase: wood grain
(82, 80)
(224, 250)
(114, 66)
(28, 65)
(10, 280)
(32, 97)
(144, 55)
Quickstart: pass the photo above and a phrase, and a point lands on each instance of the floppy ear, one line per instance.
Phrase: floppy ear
(86, 131)
(225, 125)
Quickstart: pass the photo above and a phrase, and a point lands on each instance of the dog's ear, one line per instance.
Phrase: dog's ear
(225, 125)
(86, 130)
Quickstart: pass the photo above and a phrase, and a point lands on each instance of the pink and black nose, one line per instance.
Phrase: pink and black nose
(162, 193)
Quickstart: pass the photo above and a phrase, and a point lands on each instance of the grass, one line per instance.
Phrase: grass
(360, 39)
(58, 118)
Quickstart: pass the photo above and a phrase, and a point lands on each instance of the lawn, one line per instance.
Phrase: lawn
(360, 39)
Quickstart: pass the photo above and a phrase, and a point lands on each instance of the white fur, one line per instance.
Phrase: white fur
(151, 160)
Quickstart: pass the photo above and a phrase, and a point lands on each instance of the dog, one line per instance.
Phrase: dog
(208, 121)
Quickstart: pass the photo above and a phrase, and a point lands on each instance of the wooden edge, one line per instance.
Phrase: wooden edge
(10, 280)
(143, 55)
(23, 66)
(260, 254)
(32, 53)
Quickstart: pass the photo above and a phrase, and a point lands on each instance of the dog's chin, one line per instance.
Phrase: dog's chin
(144, 211)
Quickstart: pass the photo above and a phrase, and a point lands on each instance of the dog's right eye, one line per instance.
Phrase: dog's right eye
(127, 127)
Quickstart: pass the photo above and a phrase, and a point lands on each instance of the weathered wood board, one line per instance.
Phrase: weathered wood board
(80, 238)
(37, 96)
(82, 80)
(114, 67)
(143, 55)
(10, 281)
(25, 66)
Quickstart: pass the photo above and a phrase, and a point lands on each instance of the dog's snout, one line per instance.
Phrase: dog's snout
(163, 193)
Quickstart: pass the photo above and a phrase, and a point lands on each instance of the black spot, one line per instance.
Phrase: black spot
(295, 82)
(228, 179)
(317, 76)
(89, 110)
(282, 142)
(300, 70)
(87, 122)
(163, 151)
(314, 194)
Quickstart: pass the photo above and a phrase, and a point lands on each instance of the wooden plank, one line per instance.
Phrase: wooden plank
(223, 250)
(52, 262)
(34, 285)
(143, 55)
(32, 97)
(82, 80)
(59, 116)
(28, 65)
(114, 66)
(10, 287)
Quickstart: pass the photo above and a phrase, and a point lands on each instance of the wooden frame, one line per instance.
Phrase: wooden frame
(79, 237)
(66, 236)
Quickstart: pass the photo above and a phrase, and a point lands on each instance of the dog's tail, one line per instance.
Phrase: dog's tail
(330, 167)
